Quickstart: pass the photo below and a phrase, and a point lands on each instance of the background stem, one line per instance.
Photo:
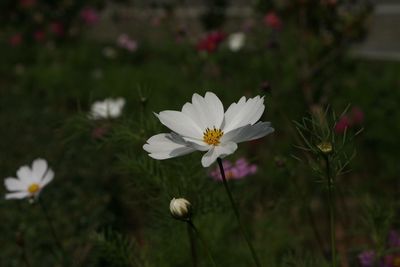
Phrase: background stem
(192, 245)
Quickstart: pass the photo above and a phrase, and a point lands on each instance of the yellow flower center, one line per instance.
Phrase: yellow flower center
(212, 136)
(33, 188)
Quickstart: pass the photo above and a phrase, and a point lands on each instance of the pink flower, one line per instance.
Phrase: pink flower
(89, 16)
(273, 21)
(57, 28)
(124, 41)
(210, 42)
(240, 169)
(15, 40)
(367, 258)
(343, 124)
(39, 35)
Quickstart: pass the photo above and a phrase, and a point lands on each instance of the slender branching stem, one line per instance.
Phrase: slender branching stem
(203, 242)
(331, 209)
(192, 245)
(236, 211)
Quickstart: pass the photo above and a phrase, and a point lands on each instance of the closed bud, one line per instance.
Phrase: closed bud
(180, 208)
(325, 147)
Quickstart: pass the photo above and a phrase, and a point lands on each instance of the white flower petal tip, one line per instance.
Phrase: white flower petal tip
(109, 108)
(30, 181)
(203, 125)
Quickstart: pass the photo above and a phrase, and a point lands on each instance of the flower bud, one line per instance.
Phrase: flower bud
(180, 208)
(325, 147)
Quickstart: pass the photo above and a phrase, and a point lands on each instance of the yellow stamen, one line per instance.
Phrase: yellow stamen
(212, 136)
(33, 188)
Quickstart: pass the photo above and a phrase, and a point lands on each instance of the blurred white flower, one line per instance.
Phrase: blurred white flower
(236, 41)
(202, 125)
(180, 208)
(30, 181)
(107, 109)
(109, 52)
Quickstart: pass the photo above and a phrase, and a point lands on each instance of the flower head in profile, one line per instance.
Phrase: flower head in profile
(107, 109)
(30, 180)
(236, 41)
(204, 126)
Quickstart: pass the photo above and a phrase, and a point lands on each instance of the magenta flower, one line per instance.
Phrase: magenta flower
(89, 15)
(343, 124)
(210, 42)
(273, 21)
(240, 169)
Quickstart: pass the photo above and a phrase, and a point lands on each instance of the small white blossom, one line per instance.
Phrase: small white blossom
(107, 109)
(30, 181)
(180, 208)
(236, 41)
(202, 125)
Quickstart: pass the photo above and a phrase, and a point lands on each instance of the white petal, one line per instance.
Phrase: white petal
(243, 113)
(197, 144)
(13, 184)
(248, 132)
(180, 123)
(17, 195)
(165, 146)
(24, 173)
(48, 177)
(215, 109)
(39, 167)
(99, 110)
(219, 151)
(209, 110)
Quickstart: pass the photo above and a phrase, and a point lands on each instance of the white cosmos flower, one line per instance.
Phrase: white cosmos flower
(202, 125)
(108, 108)
(30, 181)
(236, 41)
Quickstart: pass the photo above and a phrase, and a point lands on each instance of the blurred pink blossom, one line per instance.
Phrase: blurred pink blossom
(15, 40)
(273, 21)
(343, 124)
(124, 41)
(89, 15)
(240, 169)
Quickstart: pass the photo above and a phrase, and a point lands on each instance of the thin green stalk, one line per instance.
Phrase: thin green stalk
(192, 245)
(52, 229)
(236, 211)
(203, 242)
(331, 210)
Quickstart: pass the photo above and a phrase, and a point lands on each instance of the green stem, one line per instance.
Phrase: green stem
(331, 210)
(236, 211)
(52, 229)
(203, 242)
(192, 245)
